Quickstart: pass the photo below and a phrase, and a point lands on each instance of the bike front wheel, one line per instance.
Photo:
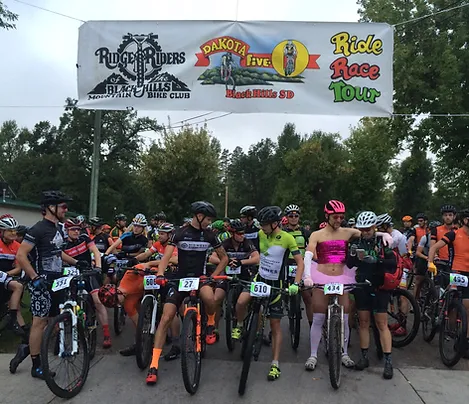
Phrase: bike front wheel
(454, 331)
(334, 349)
(251, 333)
(191, 352)
(144, 339)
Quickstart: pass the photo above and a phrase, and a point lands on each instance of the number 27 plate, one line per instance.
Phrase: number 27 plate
(188, 284)
(334, 289)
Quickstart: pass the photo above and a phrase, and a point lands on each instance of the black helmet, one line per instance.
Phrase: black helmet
(270, 214)
(248, 210)
(120, 216)
(206, 208)
(21, 230)
(54, 198)
(236, 225)
(433, 224)
(160, 216)
(463, 214)
(422, 216)
(448, 208)
(96, 221)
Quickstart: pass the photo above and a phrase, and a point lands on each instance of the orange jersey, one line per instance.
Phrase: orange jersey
(8, 255)
(159, 248)
(437, 234)
(458, 247)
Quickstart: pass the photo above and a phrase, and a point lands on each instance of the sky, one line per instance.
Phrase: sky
(39, 72)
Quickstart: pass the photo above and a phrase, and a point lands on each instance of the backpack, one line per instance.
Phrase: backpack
(393, 279)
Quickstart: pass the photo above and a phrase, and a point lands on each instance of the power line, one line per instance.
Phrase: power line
(431, 15)
(432, 115)
(202, 121)
(49, 11)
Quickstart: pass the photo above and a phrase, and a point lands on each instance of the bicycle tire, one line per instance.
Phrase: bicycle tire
(229, 316)
(250, 341)
(144, 340)
(399, 343)
(119, 319)
(246, 323)
(334, 349)
(91, 330)
(294, 318)
(189, 326)
(460, 345)
(428, 316)
(49, 334)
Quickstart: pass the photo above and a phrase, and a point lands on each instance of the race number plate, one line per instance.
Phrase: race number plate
(292, 270)
(232, 271)
(149, 282)
(71, 271)
(403, 282)
(458, 280)
(334, 289)
(260, 289)
(3, 276)
(61, 283)
(188, 284)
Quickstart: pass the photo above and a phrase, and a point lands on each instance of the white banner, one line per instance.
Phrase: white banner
(240, 67)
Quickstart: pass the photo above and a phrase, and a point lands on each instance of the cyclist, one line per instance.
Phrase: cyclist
(84, 229)
(218, 227)
(371, 266)
(417, 232)
(80, 246)
(101, 239)
(351, 223)
(290, 53)
(276, 245)
(119, 228)
(43, 242)
(241, 254)
(152, 233)
(448, 213)
(292, 213)
(407, 229)
(11, 290)
(384, 224)
(247, 216)
(20, 233)
(192, 242)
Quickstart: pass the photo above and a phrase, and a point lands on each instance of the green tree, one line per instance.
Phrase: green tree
(7, 18)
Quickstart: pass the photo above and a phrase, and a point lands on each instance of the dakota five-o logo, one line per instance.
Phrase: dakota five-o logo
(239, 66)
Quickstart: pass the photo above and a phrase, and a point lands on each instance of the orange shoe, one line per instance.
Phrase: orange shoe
(152, 376)
(107, 343)
(211, 337)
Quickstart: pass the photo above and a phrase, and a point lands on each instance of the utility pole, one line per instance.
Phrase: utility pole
(95, 164)
(226, 200)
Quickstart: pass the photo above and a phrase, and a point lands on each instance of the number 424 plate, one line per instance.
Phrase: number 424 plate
(334, 289)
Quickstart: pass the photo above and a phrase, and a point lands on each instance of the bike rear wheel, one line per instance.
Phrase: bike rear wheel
(397, 296)
(191, 350)
(230, 317)
(294, 318)
(455, 318)
(251, 334)
(50, 353)
(91, 324)
(429, 313)
(119, 319)
(143, 338)
(334, 349)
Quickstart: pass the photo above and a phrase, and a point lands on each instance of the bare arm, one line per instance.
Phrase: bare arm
(15, 271)
(23, 261)
(299, 267)
(223, 260)
(253, 259)
(114, 245)
(168, 252)
(69, 260)
(144, 255)
(420, 253)
(213, 259)
(410, 243)
(434, 249)
(96, 254)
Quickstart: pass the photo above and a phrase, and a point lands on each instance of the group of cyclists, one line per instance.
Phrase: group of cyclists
(263, 245)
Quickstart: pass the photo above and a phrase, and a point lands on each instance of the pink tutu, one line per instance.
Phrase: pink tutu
(319, 278)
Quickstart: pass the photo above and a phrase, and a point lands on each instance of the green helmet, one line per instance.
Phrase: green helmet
(218, 225)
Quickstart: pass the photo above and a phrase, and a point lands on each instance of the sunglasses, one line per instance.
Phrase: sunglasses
(74, 229)
(240, 233)
(295, 215)
(63, 206)
(338, 217)
(366, 229)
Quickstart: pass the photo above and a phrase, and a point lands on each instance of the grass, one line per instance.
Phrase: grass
(8, 340)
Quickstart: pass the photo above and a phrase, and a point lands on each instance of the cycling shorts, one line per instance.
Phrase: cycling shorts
(275, 308)
(368, 299)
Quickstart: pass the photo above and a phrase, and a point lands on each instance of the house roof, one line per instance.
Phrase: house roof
(27, 205)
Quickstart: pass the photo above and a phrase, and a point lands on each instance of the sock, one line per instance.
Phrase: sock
(365, 353)
(387, 358)
(155, 358)
(346, 334)
(106, 330)
(316, 332)
(36, 361)
(211, 319)
(13, 314)
(275, 363)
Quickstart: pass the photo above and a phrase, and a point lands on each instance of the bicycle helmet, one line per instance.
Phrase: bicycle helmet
(8, 222)
(73, 223)
(81, 218)
(407, 218)
(270, 214)
(108, 295)
(106, 228)
(96, 221)
(463, 214)
(323, 225)
(384, 218)
(54, 198)
(448, 209)
(334, 206)
(237, 225)
(203, 207)
(21, 230)
(422, 216)
(292, 208)
(351, 221)
(139, 220)
(120, 216)
(366, 219)
(434, 223)
(248, 210)
(218, 225)
(160, 216)
(166, 228)
(284, 221)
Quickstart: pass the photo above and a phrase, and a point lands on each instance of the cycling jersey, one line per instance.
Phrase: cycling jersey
(158, 248)
(418, 233)
(8, 255)
(399, 241)
(102, 241)
(47, 240)
(153, 234)
(274, 250)
(244, 250)
(252, 233)
(79, 248)
(437, 234)
(132, 243)
(458, 248)
(116, 233)
(193, 245)
(224, 236)
(301, 239)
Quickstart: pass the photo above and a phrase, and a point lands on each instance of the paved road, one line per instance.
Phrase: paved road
(419, 378)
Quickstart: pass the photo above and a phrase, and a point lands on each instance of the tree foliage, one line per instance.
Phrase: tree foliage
(7, 18)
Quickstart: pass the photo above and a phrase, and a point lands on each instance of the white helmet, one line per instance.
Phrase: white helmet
(366, 219)
(139, 220)
(384, 219)
(292, 208)
(8, 222)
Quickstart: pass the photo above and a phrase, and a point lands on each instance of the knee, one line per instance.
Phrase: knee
(166, 318)
(381, 324)
(15, 286)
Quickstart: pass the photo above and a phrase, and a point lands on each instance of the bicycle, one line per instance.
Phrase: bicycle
(234, 290)
(119, 266)
(334, 336)
(294, 309)
(438, 307)
(71, 333)
(149, 316)
(193, 329)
